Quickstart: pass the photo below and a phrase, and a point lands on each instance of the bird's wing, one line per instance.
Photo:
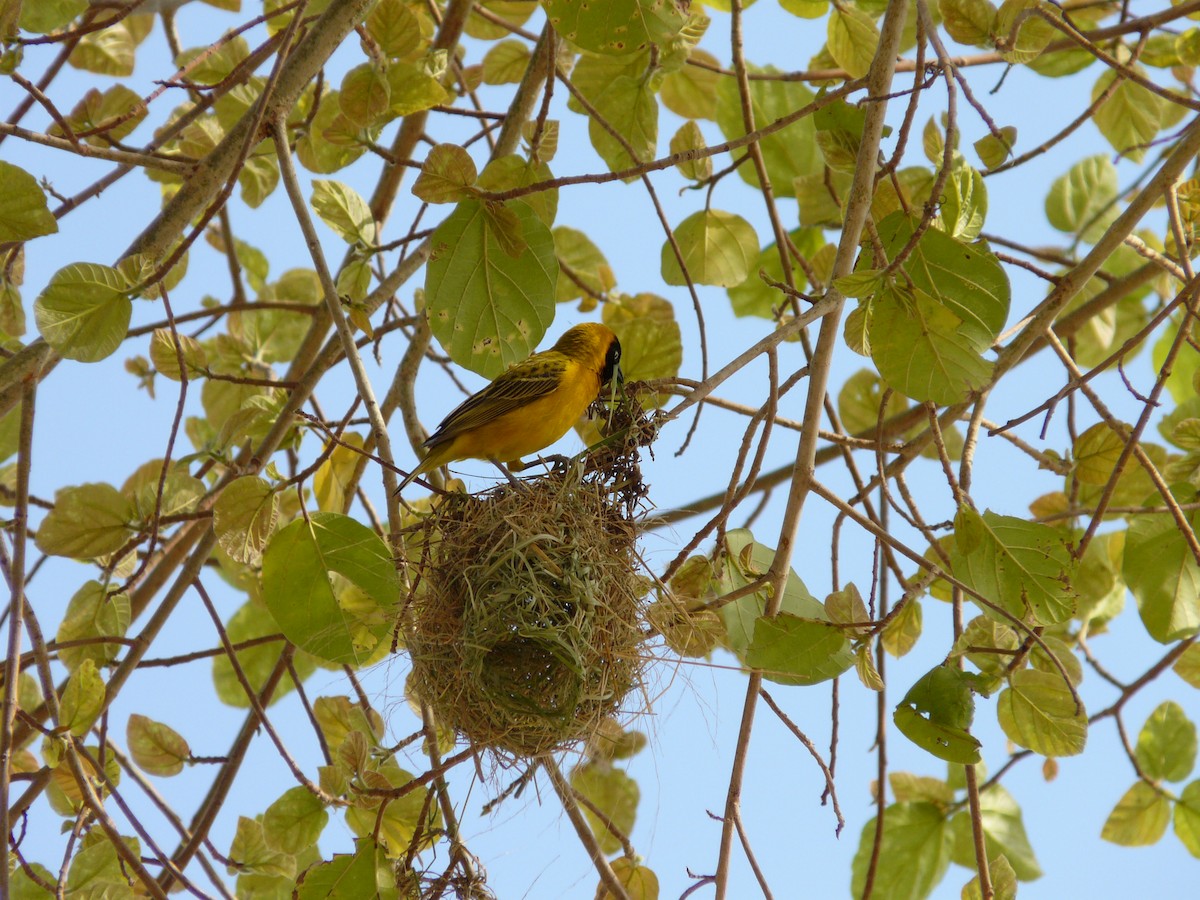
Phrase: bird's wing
(519, 385)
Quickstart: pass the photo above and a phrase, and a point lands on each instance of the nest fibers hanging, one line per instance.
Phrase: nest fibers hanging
(524, 624)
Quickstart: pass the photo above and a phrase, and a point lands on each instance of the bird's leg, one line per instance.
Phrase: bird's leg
(507, 474)
(555, 461)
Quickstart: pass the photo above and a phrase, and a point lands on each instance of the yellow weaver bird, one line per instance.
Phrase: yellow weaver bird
(530, 405)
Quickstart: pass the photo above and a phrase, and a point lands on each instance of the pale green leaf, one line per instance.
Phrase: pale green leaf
(486, 308)
(82, 699)
(88, 521)
(155, 747)
(244, 516)
(717, 247)
(611, 791)
(921, 350)
(342, 209)
(447, 175)
(913, 856)
(294, 821)
(91, 613)
(1038, 712)
(852, 39)
(23, 210)
(616, 26)
(1139, 819)
(1166, 745)
(296, 586)
(1021, 566)
(84, 311)
(1083, 201)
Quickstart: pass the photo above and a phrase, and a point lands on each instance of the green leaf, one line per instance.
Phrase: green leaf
(505, 62)
(394, 28)
(257, 662)
(294, 821)
(936, 713)
(413, 89)
(993, 150)
(789, 153)
(964, 203)
(616, 26)
(348, 876)
(297, 588)
(1166, 746)
(92, 613)
(82, 699)
(966, 278)
(96, 870)
(792, 650)
(580, 260)
(23, 210)
(1187, 818)
(688, 139)
(1003, 878)
(88, 521)
(901, 634)
(969, 22)
(106, 52)
(1022, 566)
(1003, 831)
(1139, 819)
(244, 516)
(651, 346)
(611, 791)
(1187, 666)
(630, 107)
(155, 747)
(365, 95)
(486, 308)
(921, 349)
(1161, 572)
(395, 823)
(1130, 118)
(342, 209)
(852, 39)
(249, 852)
(718, 248)
(49, 15)
(1037, 711)
(447, 175)
(84, 311)
(914, 853)
(691, 91)
(1083, 201)
(744, 560)
(340, 717)
(640, 882)
(860, 402)
(165, 357)
(754, 297)
(1033, 35)
(332, 141)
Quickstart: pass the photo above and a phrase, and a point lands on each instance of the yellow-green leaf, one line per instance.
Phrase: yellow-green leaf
(1139, 819)
(852, 39)
(1037, 711)
(84, 311)
(717, 247)
(155, 747)
(88, 521)
(23, 211)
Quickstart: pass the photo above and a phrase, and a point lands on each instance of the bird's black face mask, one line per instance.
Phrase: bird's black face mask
(612, 366)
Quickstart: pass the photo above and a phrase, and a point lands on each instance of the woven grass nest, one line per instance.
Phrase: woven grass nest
(524, 625)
